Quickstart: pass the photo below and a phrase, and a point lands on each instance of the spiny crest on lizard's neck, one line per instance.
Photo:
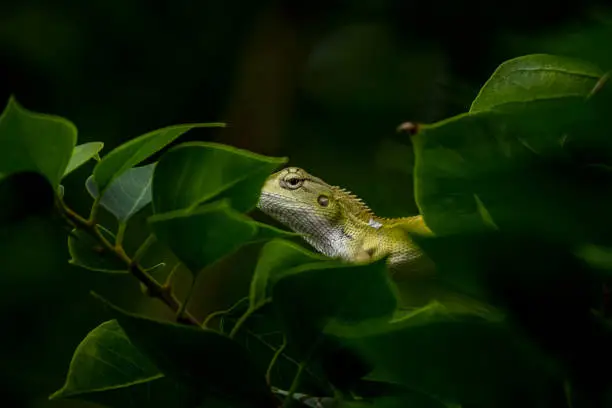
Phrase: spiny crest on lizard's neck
(360, 209)
(354, 204)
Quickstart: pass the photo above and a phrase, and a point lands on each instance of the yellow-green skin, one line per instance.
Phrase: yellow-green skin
(338, 224)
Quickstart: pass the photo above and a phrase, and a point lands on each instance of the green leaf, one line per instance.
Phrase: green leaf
(277, 257)
(106, 359)
(136, 150)
(310, 296)
(208, 362)
(87, 253)
(36, 142)
(81, 154)
(194, 173)
(537, 76)
(201, 237)
(453, 357)
(106, 368)
(516, 163)
(128, 193)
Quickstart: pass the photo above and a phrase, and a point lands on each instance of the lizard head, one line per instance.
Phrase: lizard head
(309, 206)
(292, 194)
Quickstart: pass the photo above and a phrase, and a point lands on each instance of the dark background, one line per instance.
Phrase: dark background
(323, 82)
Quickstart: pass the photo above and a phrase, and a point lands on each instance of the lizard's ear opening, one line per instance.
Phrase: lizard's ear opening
(323, 200)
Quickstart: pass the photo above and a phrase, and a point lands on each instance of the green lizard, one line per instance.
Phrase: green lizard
(340, 225)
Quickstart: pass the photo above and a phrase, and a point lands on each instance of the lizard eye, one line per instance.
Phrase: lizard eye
(323, 201)
(293, 182)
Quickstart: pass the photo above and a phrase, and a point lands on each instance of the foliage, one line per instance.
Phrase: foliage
(517, 192)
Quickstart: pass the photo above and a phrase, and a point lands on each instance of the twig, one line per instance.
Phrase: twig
(154, 289)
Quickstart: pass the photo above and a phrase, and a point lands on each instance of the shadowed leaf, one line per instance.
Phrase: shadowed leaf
(277, 258)
(87, 253)
(454, 357)
(106, 368)
(201, 237)
(208, 362)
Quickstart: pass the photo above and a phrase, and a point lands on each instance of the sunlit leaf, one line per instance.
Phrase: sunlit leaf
(194, 173)
(208, 362)
(36, 142)
(88, 253)
(537, 76)
(136, 150)
(81, 154)
(127, 194)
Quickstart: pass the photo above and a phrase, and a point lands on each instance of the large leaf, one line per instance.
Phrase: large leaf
(208, 362)
(457, 358)
(36, 142)
(514, 164)
(277, 257)
(107, 368)
(128, 193)
(88, 253)
(308, 297)
(136, 150)
(194, 173)
(537, 76)
(335, 290)
(201, 237)
(81, 154)
(542, 285)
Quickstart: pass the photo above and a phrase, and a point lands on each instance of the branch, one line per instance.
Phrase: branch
(154, 289)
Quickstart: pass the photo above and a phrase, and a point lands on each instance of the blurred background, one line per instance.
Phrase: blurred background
(324, 83)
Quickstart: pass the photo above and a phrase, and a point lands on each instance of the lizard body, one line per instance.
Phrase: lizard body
(340, 225)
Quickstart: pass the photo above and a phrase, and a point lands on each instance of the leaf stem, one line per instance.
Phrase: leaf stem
(154, 289)
(170, 276)
(294, 384)
(241, 321)
(120, 234)
(322, 382)
(277, 353)
(221, 312)
(93, 214)
(181, 311)
(142, 249)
